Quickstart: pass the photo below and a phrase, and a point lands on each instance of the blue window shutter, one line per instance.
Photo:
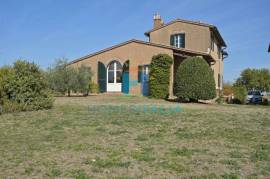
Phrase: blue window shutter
(182, 40)
(172, 40)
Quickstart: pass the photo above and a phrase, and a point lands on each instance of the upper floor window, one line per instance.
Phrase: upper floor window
(178, 40)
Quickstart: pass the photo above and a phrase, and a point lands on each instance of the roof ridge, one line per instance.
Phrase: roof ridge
(136, 41)
(211, 26)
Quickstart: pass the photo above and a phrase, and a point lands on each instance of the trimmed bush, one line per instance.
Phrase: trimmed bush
(23, 88)
(194, 80)
(160, 76)
(240, 94)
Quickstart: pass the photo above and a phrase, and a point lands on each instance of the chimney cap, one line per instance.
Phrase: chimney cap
(157, 16)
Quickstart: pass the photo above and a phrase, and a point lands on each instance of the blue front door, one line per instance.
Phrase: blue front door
(125, 83)
(145, 80)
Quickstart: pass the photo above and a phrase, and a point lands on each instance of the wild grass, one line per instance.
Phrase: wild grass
(91, 138)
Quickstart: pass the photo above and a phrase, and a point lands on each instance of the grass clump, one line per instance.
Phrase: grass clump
(109, 163)
(261, 153)
(185, 152)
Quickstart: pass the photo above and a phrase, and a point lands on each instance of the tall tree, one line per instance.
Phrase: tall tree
(254, 79)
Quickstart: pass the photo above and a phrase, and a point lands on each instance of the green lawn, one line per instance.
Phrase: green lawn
(88, 137)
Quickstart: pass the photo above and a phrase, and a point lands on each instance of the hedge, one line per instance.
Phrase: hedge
(159, 78)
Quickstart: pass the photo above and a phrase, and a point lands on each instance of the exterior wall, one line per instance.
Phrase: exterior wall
(218, 70)
(197, 37)
(218, 66)
(136, 53)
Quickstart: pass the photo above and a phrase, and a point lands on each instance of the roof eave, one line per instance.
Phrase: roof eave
(215, 29)
(141, 42)
(191, 22)
(147, 34)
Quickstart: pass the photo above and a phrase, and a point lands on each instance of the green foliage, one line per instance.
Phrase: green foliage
(4, 77)
(255, 79)
(227, 89)
(83, 79)
(23, 88)
(55, 172)
(93, 87)
(183, 152)
(240, 94)
(64, 79)
(261, 153)
(195, 80)
(160, 75)
(60, 77)
(220, 99)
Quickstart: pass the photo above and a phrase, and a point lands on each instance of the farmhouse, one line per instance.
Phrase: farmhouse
(125, 67)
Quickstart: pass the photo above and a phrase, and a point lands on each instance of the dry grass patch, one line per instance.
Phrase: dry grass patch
(88, 138)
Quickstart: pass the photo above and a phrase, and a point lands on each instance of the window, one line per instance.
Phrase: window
(115, 72)
(110, 76)
(178, 40)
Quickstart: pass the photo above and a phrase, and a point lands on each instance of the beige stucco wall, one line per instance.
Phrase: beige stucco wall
(218, 65)
(136, 53)
(197, 37)
(218, 69)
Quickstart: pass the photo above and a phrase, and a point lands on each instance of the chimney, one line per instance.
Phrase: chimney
(157, 21)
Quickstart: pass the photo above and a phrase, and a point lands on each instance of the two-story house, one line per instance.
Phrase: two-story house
(125, 67)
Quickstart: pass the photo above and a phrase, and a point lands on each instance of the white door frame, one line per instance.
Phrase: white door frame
(113, 87)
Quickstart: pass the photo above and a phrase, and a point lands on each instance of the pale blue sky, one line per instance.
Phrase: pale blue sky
(43, 30)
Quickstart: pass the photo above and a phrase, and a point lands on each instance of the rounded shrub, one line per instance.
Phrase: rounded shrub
(23, 88)
(160, 76)
(194, 80)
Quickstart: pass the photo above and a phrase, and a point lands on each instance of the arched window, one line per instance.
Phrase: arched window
(115, 72)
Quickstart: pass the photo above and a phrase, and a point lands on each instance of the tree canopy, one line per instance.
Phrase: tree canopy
(64, 79)
(255, 79)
